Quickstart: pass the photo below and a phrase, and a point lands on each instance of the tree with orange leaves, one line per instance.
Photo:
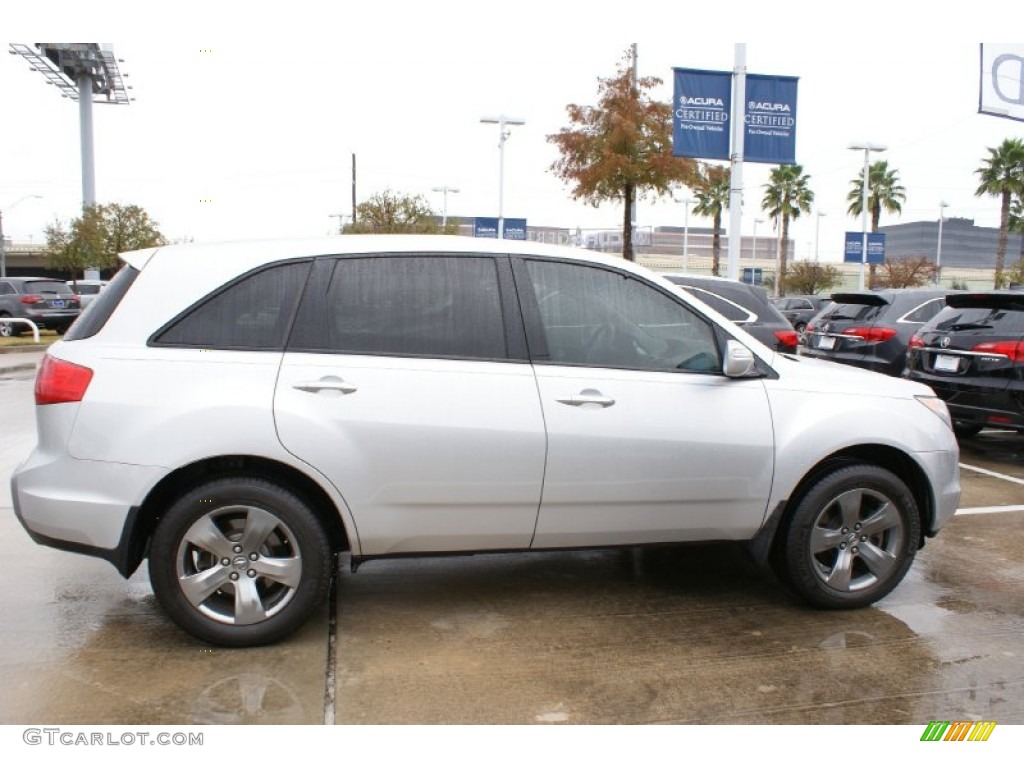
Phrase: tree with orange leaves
(620, 147)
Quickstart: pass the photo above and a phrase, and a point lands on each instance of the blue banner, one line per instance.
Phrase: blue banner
(771, 120)
(853, 247)
(700, 114)
(487, 226)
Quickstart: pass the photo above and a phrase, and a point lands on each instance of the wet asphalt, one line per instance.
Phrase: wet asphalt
(692, 635)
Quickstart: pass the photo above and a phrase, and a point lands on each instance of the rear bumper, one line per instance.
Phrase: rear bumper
(81, 506)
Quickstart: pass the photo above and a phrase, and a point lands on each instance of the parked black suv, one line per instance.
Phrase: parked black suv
(871, 329)
(799, 310)
(972, 355)
(46, 302)
(748, 306)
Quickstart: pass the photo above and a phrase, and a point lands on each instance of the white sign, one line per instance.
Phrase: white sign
(1002, 80)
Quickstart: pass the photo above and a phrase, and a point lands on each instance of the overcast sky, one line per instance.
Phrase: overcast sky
(259, 114)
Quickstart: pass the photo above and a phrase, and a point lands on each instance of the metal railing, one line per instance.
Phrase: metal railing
(35, 328)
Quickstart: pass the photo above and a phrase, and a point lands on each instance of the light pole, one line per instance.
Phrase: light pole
(867, 148)
(3, 243)
(756, 222)
(938, 250)
(444, 210)
(817, 230)
(503, 134)
(686, 232)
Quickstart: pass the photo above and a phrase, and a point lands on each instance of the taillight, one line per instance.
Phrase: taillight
(873, 333)
(788, 338)
(59, 381)
(1011, 349)
(916, 342)
(31, 299)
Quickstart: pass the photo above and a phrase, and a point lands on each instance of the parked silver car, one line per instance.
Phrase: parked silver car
(240, 413)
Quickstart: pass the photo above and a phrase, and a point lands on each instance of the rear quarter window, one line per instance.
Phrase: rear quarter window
(254, 312)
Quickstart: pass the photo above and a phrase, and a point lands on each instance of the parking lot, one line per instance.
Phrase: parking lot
(690, 635)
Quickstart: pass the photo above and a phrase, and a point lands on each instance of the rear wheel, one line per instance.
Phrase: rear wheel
(240, 561)
(851, 538)
(6, 329)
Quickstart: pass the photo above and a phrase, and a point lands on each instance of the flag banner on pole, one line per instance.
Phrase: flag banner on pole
(1002, 80)
(853, 247)
(700, 114)
(770, 119)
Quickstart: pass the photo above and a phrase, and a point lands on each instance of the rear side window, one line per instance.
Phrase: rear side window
(99, 311)
(925, 312)
(422, 306)
(253, 312)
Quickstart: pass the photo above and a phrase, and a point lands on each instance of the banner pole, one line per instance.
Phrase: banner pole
(738, 118)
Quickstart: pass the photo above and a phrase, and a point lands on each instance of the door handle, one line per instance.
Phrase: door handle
(588, 397)
(327, 383)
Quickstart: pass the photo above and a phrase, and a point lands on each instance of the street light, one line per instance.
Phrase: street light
(756, 222)
(867, 148)
(817, 229)
(938, 251)
(3, 244)
(444, 210)
(501, 121)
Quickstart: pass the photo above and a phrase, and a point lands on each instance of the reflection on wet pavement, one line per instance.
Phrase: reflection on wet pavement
(674, 635)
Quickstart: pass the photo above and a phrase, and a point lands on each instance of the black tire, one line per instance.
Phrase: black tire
(240, 561)
(966, 428)
(7, 330)
(799, 327)
(850, 539)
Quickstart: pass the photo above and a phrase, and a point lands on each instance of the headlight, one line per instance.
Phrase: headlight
(937, 406)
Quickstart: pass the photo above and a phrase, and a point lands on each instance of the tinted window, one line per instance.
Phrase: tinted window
(6, 288)
(429, 306)
(597, 317)
(95, 316)
(251, 313)
(45, 287)
(995, 321)
(729, 309)
(860, 312)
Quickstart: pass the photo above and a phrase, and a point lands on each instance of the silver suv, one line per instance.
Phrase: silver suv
(46, 302)
(241, 413)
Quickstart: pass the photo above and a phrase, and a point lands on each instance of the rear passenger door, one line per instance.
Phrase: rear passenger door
(406, 383)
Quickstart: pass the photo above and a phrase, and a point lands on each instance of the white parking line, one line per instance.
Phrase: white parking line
(990, 473)
(989, 510)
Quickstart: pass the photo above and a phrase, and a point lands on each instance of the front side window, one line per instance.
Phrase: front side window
(423, 306)
(251, 313)
(597, 317)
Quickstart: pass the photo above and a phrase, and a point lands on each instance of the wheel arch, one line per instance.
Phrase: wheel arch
(884, 456)
(140, 526)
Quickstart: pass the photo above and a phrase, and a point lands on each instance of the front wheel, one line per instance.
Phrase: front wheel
(239, 561)
(851, 538)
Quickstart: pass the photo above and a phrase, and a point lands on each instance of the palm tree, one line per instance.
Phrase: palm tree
(884, 192)
(712, 193)
(786, 196)
(1002, 176)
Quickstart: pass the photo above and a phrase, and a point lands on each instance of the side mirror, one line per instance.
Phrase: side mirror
(739, 361)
